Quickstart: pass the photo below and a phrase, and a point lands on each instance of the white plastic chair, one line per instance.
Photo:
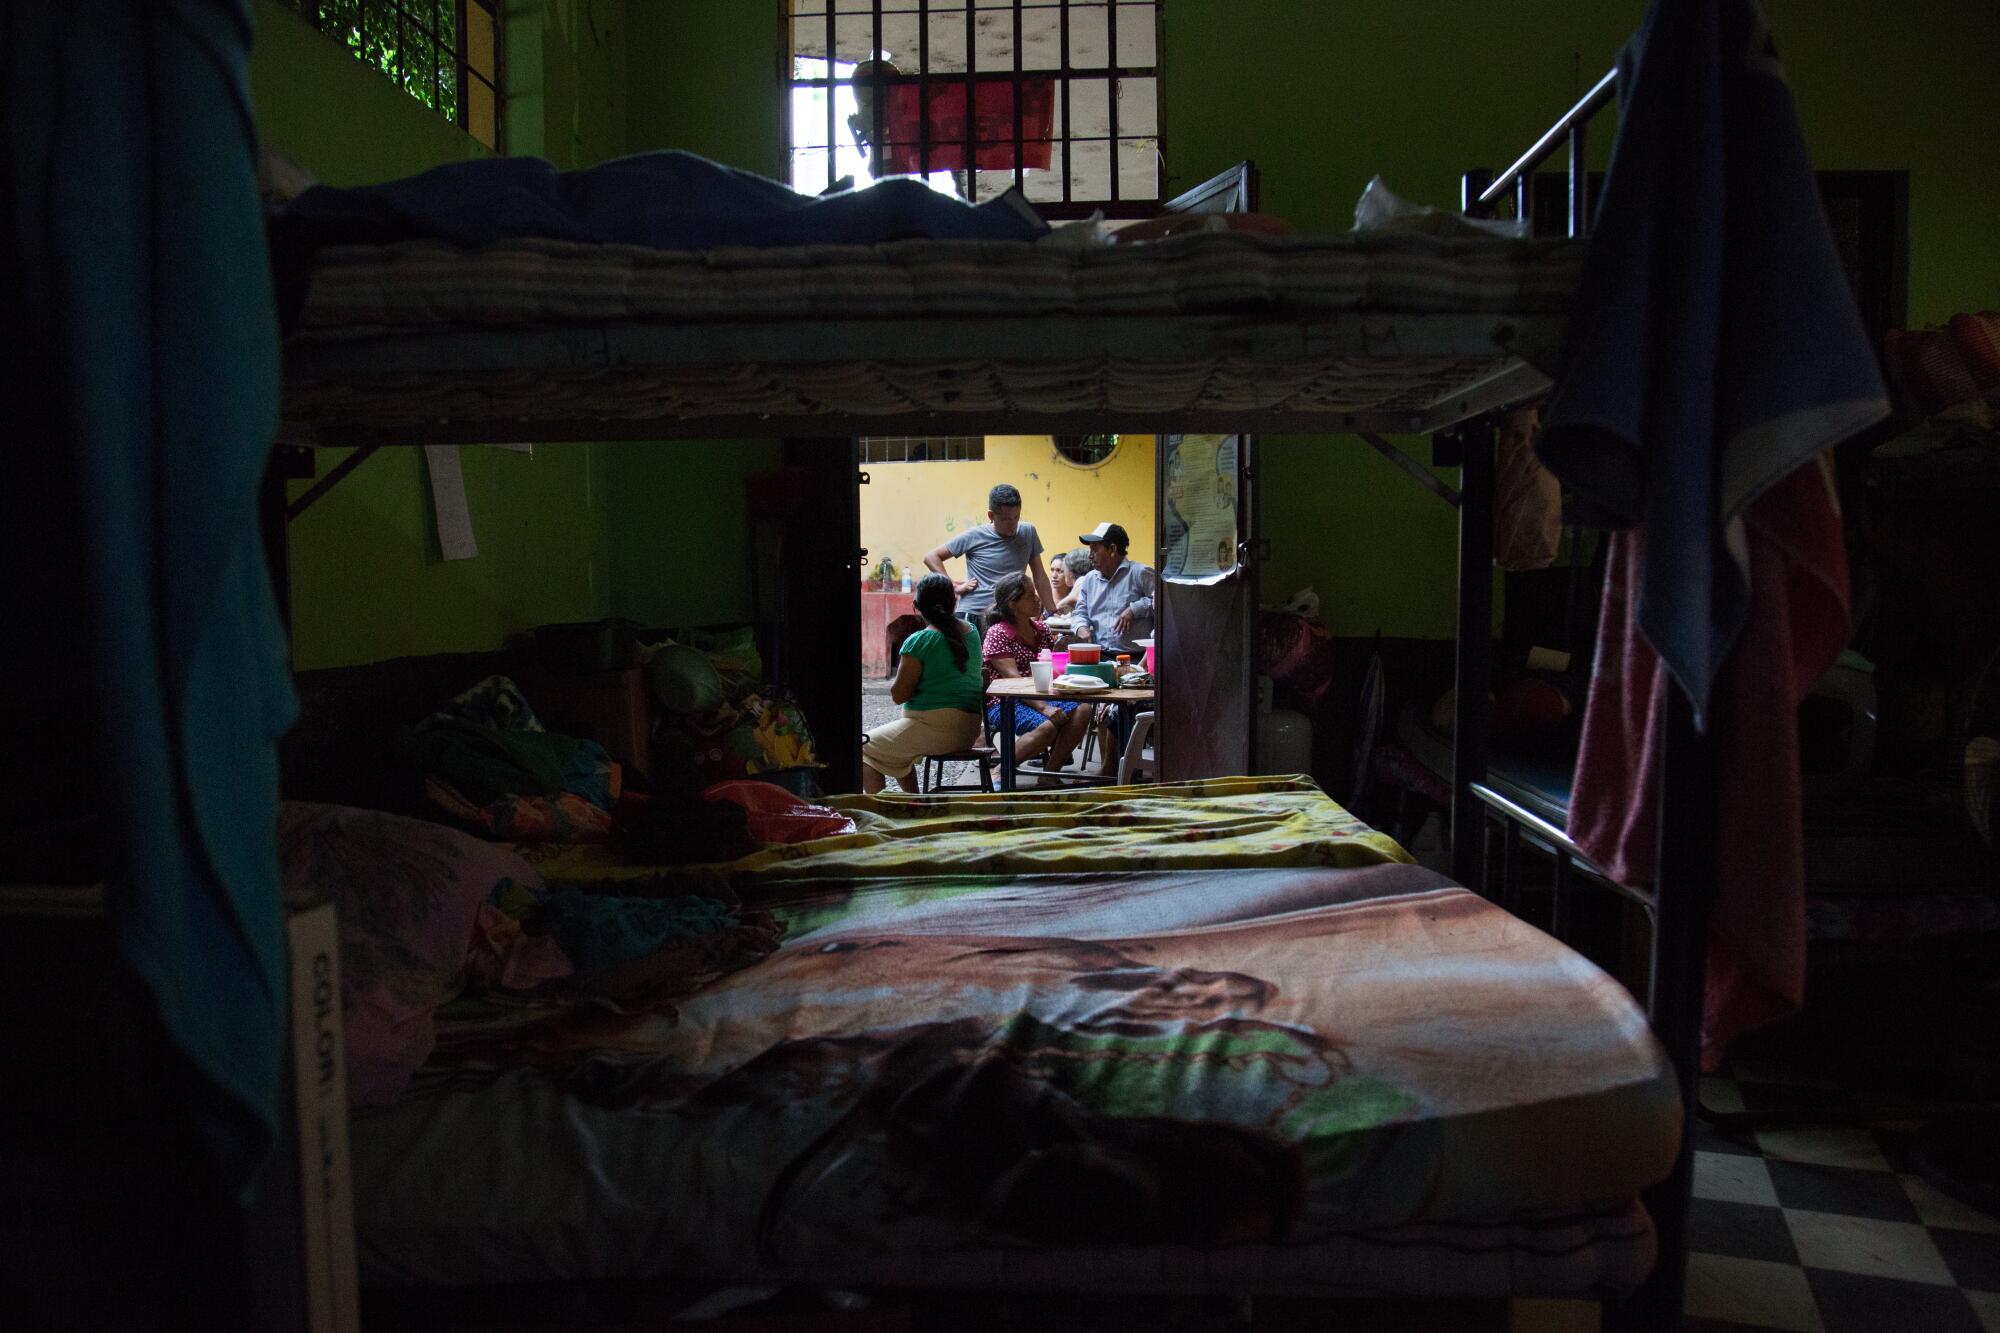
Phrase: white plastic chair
(1137, 764)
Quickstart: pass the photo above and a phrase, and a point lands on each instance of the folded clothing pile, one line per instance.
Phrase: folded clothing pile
(411, 900)
(719, 719)
(429, 915)
(488, 763)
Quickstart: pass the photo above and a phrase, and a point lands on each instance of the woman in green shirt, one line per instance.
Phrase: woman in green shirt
(940, 688)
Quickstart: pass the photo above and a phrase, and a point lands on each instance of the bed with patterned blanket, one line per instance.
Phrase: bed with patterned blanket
(1305, 1079)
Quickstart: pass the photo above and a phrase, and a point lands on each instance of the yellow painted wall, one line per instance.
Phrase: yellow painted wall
(910, 508)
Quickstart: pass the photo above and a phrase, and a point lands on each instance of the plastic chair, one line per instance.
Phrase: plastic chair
(1135, 765)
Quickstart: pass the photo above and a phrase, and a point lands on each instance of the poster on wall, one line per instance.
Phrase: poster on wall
(1200, 507)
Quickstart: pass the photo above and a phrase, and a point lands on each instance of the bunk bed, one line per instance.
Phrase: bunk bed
(538, 340)
(1369, 334)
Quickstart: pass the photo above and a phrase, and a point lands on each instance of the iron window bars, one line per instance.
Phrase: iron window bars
(444, 53)
(922, 448)
(980, 70)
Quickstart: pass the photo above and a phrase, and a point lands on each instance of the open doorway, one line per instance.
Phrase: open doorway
(921, 492)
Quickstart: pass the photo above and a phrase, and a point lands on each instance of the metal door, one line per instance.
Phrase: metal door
(1207, 520)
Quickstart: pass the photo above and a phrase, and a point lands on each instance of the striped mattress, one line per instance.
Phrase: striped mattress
(549, 340)
(422, 284)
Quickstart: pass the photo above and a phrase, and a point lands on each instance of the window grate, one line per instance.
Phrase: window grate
(444, 53)
(923, 448)
(1057, 97)
(1085, 450)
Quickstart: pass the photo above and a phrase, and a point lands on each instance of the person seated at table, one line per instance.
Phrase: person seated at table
(939, 684)
(1015, 636)
(1114, 601)
(1063, 574)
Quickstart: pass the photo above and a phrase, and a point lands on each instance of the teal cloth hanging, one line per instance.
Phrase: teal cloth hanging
(141, 386)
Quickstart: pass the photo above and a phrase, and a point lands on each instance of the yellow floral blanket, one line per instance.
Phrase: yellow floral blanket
(1220, 823)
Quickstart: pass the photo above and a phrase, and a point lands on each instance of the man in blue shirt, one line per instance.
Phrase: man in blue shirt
(1000, 546)
(1114, 599)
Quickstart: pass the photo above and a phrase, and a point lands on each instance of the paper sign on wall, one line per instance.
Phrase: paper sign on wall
(1200, 494)
(454, 519)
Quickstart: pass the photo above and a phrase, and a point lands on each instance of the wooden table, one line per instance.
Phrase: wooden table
(1010, 689)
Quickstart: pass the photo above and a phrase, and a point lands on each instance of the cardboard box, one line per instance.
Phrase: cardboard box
(319, 1100)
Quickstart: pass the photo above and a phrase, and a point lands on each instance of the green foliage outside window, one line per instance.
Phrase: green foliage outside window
(422, 46)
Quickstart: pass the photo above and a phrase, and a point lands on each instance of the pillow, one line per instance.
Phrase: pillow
(408, 895)
(684, 680)
(733, 653)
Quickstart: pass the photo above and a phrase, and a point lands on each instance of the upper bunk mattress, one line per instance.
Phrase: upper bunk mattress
(1373, 330)
(1281, 1078)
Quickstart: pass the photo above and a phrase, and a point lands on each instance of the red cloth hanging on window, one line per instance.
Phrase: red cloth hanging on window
(900, 151)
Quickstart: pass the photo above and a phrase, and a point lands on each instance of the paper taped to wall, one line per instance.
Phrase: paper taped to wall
(1199, 485)
(454, 519)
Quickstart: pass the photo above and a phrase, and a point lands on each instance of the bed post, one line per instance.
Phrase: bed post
(1473, 676)
(1471, 185)
(1682, 893)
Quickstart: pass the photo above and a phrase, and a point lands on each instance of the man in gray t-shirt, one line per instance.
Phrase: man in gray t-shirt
(1000, 546)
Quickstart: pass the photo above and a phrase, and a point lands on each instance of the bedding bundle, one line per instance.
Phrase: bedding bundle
(489, 764)
(429, 915)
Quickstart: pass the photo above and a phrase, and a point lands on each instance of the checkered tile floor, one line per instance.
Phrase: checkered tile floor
(1825, 1228)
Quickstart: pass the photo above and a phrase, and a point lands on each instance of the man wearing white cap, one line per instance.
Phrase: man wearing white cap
(1114, 598)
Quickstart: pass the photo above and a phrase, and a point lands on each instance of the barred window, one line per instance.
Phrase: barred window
(1086, 450)
(1059, 97)
(923, 448)
(444, 53)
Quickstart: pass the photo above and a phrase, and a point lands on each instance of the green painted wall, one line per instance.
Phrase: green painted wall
(366, 579)
(565, 79)
(706, 76)
(1420, 90)
(702, 75)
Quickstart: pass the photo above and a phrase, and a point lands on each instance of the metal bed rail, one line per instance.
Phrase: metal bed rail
(1482, 190)
(1678, 901)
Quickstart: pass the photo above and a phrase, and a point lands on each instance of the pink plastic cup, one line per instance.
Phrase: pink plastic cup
(1061, 661)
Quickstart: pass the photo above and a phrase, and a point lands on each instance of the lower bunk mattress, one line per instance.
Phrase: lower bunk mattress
(1229, 823)
(1292, 1079)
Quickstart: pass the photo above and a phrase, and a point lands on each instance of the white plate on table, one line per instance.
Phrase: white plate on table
(1081, 684)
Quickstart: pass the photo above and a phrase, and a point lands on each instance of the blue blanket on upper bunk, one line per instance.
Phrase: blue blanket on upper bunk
(668, 200)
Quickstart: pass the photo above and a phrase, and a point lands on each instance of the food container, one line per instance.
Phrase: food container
(1086, 654)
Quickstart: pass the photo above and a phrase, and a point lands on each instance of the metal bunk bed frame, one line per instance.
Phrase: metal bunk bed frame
(1677, 904)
